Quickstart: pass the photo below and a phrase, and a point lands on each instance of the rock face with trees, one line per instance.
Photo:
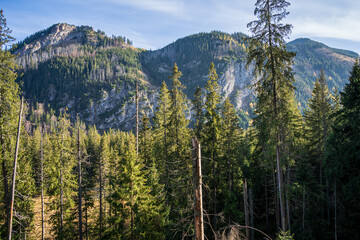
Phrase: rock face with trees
(291, 173)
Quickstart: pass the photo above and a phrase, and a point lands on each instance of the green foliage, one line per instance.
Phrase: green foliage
(284, 236)
(137, 214)
(342, 157)
(9, 112)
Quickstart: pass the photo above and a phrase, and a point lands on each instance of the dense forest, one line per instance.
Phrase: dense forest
(289, 175)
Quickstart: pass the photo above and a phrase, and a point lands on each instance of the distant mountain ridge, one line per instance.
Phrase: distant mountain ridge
(94, 75)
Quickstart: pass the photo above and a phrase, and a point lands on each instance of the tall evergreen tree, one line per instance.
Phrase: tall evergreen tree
(161, 136)
(212, 135)
(60, 162)
(9, 110)
(272, 63)
(180, 187)
(137, 213)
(318, 121)
(342, 159)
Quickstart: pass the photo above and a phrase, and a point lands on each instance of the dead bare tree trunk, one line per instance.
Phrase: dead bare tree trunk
(42, 186)
(198, 207)
(246, 208)
(14, 171)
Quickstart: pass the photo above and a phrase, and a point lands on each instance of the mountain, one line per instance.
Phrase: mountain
(86, 72)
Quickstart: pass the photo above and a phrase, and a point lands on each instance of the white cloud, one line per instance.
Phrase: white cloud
(345, 27)
(171, 7)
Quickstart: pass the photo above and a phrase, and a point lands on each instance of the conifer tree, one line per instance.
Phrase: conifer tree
(232, 157)
(212, 135)
(60, 162)
(342, 159)
(180, 187)
(161, 136)
(9, 110)
(272, 63)
(318, 121)
(137, 213)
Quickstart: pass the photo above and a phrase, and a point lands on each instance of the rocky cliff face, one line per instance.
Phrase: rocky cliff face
(94, 75)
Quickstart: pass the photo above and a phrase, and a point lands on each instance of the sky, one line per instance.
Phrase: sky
(153, 24)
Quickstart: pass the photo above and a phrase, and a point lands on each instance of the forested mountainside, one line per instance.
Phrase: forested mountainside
(94, 75)
(290, 175)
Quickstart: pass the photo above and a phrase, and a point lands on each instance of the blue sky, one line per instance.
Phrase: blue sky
(152, 24)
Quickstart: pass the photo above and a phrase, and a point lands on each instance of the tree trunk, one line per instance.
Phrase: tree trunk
(335, 211)
(167, 181)
(279, 180)
(327, 200)
(276, 202)
(86, 220)
(137, 120)
(61, 188)
(266, 208)
(5, 182)
(14, 171)
(251, 214)
(287, 199)
(79, 187)
(246, 208)
(197, 178)
(100, 181)
(321, 192)
(42, 187)
(214, 191)
(303, 215)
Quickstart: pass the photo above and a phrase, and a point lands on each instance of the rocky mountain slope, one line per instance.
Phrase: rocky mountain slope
(86, 72)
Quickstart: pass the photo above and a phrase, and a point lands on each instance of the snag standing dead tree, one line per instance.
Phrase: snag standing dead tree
(198, 208)
(14, 172)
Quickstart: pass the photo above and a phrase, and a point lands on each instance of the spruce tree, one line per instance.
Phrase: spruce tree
(60, 162)
(342, 159)
(272, 64)
(137, 213)
(9, 110)
(161, 136)
(212, 136)
(180, 166)
(318, 121)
